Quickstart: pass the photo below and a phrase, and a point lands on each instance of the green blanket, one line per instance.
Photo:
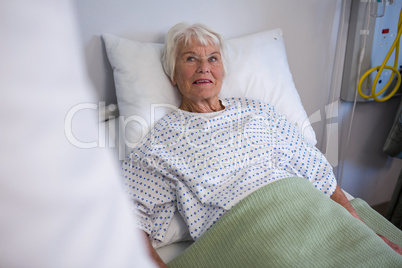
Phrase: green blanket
(291, 224)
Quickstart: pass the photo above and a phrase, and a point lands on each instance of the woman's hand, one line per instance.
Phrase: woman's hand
(394, 246)
(158, 261)
(339, 197)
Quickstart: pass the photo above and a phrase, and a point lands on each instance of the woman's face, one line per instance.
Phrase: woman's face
(199, 71)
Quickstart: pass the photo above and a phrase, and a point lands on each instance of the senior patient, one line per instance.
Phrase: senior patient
(211, 153)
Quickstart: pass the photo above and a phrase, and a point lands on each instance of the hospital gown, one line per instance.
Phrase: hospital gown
(202, 164)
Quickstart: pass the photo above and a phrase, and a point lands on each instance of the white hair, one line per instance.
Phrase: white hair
(183, 32)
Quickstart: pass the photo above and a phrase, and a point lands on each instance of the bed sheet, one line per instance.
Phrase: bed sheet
(169, 252)
(291, 224)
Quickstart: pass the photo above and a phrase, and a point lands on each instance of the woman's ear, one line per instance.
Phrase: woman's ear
(173, 81)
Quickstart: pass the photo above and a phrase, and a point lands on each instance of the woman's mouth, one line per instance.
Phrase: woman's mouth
(202, 81)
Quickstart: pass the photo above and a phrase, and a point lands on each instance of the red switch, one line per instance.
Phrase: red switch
(385, 31)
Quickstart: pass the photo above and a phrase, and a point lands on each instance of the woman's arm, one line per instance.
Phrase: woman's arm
(339, 197)
(153, 253)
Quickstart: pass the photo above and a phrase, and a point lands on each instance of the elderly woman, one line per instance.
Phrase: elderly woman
(209, 154)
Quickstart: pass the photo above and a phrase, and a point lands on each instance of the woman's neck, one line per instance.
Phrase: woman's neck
(204, 106)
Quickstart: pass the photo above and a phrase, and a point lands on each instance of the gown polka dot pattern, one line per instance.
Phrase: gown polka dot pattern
(202, 164)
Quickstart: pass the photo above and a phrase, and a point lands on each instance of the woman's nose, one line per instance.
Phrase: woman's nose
(203, 66)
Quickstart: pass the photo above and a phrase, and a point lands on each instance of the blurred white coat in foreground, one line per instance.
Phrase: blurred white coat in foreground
(60, 206)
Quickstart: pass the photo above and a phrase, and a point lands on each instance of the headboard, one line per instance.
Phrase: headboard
(310, 29)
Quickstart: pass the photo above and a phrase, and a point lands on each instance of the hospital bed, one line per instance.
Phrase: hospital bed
(141, 84)
(144, 94)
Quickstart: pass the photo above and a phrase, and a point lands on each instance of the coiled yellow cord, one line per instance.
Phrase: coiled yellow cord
(383, 66)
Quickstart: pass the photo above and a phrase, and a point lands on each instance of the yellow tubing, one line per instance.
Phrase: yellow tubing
(383, 66)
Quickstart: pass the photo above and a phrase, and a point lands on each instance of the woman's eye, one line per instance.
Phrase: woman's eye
(190, 59)
(214, 59)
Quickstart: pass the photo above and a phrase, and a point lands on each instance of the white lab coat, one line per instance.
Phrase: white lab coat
(60, 206)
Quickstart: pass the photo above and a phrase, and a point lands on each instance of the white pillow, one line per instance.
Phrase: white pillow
(258, 69)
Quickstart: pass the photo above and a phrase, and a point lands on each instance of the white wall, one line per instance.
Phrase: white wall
(311, 29)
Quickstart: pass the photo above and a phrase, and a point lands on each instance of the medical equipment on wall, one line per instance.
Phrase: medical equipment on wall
(372, 63)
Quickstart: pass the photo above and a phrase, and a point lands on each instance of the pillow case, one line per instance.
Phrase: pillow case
(258, 69)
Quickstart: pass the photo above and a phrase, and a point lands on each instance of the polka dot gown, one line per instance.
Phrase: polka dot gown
(202, 164)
